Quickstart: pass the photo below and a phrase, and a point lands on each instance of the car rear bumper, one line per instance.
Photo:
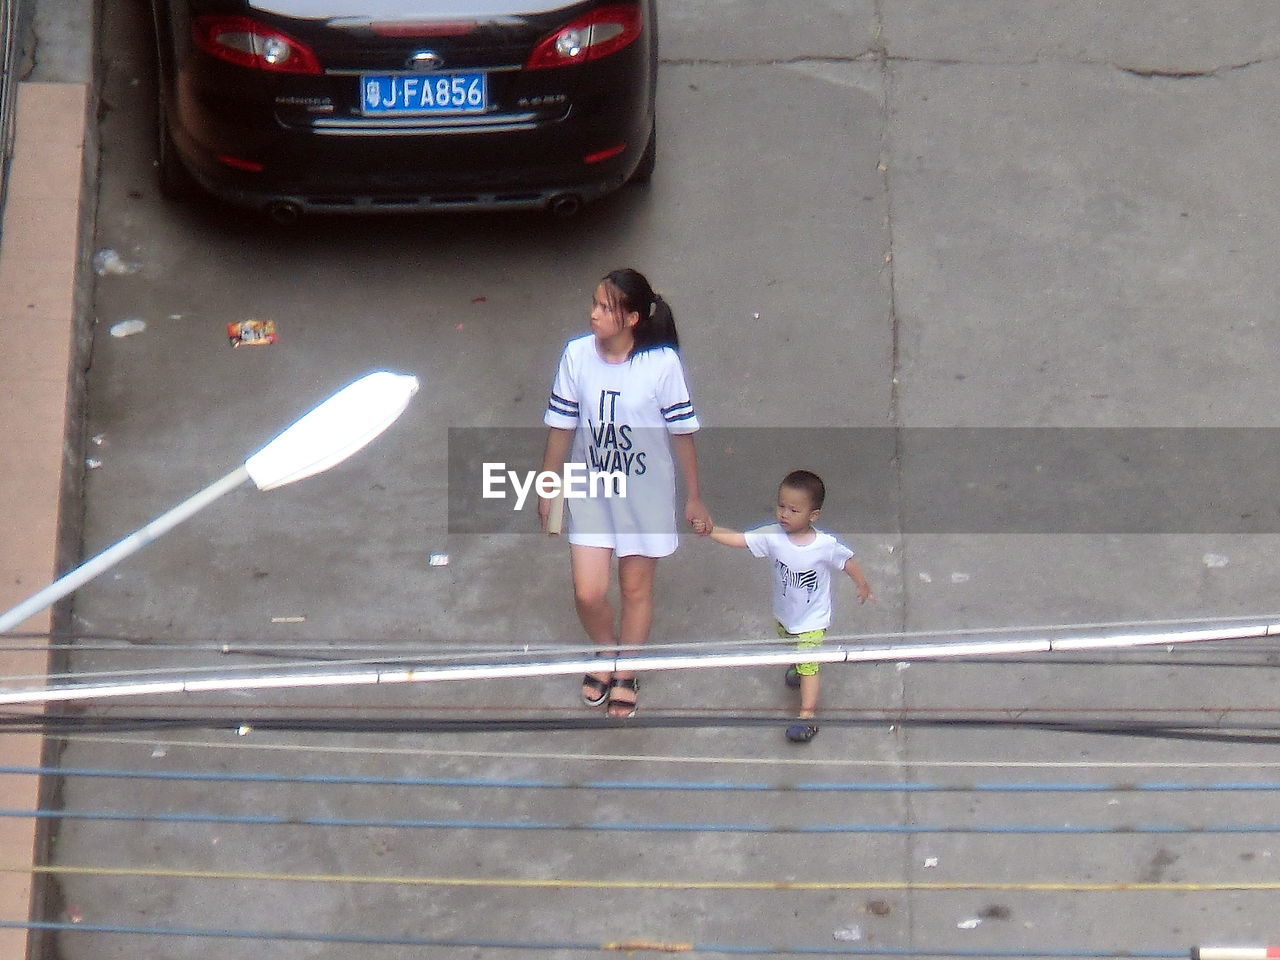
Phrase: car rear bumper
(497, 170)
(237, 147)
(285, 205)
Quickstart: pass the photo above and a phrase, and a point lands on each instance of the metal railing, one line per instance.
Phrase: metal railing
(8, 86)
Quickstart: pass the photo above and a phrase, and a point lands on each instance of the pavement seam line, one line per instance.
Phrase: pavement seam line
(877, 55)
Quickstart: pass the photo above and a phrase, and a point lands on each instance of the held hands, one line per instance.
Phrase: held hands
(695, 512)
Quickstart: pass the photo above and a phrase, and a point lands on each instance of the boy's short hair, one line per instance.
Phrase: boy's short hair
(808, 483)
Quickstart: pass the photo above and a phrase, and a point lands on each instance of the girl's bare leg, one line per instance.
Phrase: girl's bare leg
(591, 568)
(635, 583)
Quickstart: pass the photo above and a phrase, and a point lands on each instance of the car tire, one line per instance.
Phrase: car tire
(176, 182)
(648, 160)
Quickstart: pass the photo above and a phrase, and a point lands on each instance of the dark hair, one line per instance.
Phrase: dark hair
(807, 483)
(657, 327)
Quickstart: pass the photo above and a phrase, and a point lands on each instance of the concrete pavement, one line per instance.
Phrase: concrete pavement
(1029, 214)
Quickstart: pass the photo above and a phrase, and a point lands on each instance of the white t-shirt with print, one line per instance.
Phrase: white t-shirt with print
(621, 415)
(801, 575)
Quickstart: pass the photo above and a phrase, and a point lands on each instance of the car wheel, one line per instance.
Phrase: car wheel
(176, 182)
(648, 160)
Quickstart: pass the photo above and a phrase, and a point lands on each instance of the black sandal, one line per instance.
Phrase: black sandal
(599, 688)
(624, 683)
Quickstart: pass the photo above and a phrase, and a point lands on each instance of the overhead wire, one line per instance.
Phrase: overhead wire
(631, 883)
(1209, 731)
(961, 632)
(448, 651)
(631, 946)
(1221, 724)
(364, 750)
(292, 820)
(680, 786)
(376, 671)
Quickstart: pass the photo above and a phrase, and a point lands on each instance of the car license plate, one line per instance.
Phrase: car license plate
(404, 94)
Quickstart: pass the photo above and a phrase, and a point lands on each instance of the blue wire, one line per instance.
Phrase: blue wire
(740, 949)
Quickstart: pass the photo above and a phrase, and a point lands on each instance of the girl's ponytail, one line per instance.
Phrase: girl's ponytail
(657, 326)
(661, 329)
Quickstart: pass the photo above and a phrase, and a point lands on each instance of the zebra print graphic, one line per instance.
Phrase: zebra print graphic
(797, 579)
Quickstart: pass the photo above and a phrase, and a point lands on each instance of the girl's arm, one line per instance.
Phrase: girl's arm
(695, 511)
(558, 442)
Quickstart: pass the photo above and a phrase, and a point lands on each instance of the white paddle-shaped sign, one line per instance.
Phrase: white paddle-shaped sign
(322, 438)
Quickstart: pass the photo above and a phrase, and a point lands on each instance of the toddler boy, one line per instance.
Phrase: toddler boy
(804, 559)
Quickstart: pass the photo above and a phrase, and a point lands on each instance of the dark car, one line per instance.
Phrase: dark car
(359, 106)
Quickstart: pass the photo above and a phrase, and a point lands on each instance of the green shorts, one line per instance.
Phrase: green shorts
(810, 640)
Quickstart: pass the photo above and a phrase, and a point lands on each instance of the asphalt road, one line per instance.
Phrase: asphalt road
(877, 214)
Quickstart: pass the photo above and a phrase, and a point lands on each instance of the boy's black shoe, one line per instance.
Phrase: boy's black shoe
(802, 732)
(793, 677)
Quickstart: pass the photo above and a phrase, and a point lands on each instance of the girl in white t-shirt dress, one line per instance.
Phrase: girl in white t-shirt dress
(620, 407)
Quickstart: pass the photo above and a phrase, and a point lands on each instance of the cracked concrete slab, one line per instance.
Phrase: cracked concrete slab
(1026, 198)
(1176, 36)
(766, 30)
(1077, 246)
(822, 267)
(59, 41)
(1039, 250)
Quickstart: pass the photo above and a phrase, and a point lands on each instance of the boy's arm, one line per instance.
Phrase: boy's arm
(730, 538)
(855, 574)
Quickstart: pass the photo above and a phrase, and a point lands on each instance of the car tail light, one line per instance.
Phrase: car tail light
(597, 34)
(250, 43)
(602, 155)
(239, 163)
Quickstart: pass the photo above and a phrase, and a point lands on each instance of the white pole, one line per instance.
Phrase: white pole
(364, 676)
(114, 554)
